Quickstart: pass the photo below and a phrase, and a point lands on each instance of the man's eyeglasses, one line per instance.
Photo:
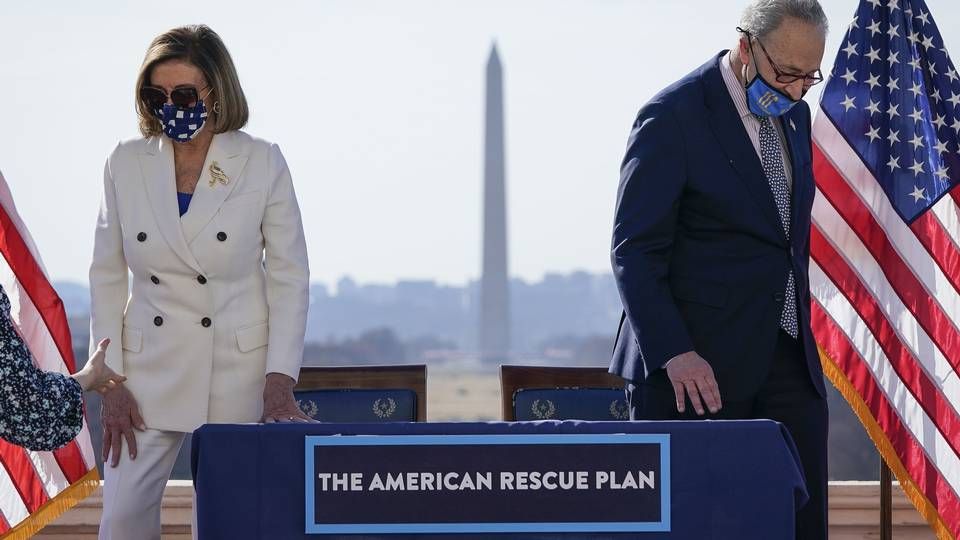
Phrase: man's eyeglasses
(784, 77)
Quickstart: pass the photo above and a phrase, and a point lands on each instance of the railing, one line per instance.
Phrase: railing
(854, 514)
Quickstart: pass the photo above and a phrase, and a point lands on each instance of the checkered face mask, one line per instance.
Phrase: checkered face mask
(182, 124)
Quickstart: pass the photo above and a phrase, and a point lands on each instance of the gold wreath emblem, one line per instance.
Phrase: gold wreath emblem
(217, 175)
(619, 409)
(309, 408)
(384, 408)
(543, 409)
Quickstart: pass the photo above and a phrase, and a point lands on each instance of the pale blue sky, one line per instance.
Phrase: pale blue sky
(378, 107)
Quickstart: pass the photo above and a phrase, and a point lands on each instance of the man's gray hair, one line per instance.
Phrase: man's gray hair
(764, 16)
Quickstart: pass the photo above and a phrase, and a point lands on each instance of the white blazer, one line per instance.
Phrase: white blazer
(218, 297)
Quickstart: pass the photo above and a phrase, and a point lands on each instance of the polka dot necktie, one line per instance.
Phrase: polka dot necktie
(771, 154)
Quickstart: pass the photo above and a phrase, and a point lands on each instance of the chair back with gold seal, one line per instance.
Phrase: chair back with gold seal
(561, 393)
(359, 394)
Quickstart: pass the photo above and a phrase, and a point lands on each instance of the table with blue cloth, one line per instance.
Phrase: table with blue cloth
(729, 479)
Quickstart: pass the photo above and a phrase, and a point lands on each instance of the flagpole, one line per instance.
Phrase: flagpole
(886, 502)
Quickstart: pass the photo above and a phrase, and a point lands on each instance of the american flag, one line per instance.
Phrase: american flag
(885, 246)
(36, 487)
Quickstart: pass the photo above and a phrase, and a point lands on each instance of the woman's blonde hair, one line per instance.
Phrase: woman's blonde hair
(202, 47)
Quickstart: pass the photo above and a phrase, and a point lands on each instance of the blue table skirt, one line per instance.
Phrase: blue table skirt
(730, 479)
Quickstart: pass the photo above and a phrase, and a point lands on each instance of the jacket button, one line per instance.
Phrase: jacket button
(142, 237)
(158, 320)
(206, 322)
(222, 236)
(778, 297)
(155, 280)
(202, 280)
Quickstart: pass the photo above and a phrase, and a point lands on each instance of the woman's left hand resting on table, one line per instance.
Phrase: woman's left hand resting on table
(279, 405)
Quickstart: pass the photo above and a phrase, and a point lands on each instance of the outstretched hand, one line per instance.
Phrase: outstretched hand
(96, 375)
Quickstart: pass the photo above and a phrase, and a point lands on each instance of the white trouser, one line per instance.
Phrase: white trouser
(133, 490)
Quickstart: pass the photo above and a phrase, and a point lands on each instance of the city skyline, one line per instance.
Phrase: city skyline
(558, 306)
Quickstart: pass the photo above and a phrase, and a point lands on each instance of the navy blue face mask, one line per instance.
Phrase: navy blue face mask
(182, 124)
(765, 100)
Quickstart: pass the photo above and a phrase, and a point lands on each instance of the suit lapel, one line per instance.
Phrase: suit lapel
(732, 136)
(225, 154)
(793, 130)
(159, 178)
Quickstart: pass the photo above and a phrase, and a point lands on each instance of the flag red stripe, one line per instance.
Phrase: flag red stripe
(856, 292)
(925, 474)
(4, 524)
(23, 475)
(71, 462)
(936, 241)
(928, 230)
(912, 293)
(35, 283)
(50, 307)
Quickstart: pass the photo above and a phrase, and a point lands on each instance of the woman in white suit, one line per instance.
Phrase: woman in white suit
(205, 220)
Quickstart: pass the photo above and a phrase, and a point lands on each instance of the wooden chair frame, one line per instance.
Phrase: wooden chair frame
(514, 378)
(404, 377)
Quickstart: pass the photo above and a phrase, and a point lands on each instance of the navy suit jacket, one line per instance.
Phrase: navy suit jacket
(699, 253)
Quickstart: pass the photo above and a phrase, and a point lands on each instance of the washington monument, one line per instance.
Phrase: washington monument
(494, 295)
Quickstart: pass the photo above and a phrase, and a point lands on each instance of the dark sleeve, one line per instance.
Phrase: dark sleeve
(652, 180)
(38, 410)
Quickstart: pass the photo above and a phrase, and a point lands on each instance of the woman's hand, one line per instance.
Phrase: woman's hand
(119, 414)
(279, 404)
(95, 375)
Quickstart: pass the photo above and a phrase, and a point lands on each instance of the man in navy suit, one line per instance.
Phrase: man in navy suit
(711, 243)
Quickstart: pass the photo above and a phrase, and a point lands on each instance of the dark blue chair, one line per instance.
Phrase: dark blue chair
(561, 393)
(363, 393)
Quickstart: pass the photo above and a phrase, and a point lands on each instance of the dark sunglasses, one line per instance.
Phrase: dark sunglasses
(181, 96)
(783, 77)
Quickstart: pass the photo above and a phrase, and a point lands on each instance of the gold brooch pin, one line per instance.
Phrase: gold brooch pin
(217, 174)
